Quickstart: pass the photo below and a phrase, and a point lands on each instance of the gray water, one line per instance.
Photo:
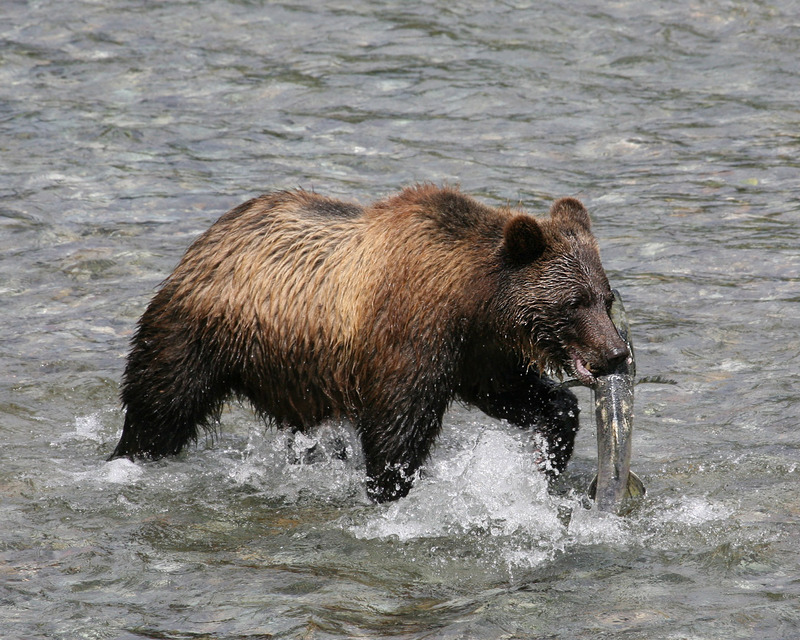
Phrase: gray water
(127, 128)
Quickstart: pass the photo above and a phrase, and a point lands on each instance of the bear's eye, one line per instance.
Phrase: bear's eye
(578, 301)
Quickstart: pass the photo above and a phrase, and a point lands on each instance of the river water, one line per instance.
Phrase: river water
(127, 128)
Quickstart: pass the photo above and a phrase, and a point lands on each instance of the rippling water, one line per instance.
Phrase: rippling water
(126, 128)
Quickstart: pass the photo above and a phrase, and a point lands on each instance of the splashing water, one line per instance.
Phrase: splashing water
(491, 486)
(481, 483)
(325, 465)
(484, 482)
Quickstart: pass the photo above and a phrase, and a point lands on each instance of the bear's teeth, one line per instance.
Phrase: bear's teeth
(582, 371)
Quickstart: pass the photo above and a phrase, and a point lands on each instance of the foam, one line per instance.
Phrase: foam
(693, 512)
(119, 471)
(491, 486)
(326, 464)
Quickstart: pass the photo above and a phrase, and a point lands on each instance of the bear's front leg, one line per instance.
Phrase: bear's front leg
(532, 401)
(392, 482)
(395, 448)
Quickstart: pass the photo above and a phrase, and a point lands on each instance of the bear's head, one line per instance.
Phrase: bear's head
(554, 295)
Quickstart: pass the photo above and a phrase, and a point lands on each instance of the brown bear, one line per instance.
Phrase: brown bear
(315, 309)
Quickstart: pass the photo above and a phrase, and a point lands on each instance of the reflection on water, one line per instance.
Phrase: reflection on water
(128, 128)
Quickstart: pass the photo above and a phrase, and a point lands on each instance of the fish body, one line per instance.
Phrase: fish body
(613, 402)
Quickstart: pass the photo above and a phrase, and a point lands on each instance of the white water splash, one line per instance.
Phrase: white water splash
(692, 512)
(119, 471)
(89, 427)
(481, 488)
(484, 484)
(492, 486)
(325, 464)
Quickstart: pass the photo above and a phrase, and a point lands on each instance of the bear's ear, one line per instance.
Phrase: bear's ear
(571, 210)
(523, 238)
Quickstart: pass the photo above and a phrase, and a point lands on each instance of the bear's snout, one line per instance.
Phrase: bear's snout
(616, 356)
(610, 350)
(602, 362)
(596, 348)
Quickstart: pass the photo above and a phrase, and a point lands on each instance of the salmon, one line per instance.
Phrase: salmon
(615, 484)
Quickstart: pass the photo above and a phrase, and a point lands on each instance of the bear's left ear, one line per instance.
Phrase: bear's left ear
(523, 239)
(571, 210)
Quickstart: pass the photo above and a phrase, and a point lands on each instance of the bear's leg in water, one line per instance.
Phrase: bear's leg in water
(396, 446)
(172, 384)
(532, 401)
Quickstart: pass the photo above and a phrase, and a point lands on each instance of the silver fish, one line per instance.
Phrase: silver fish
(615, 484)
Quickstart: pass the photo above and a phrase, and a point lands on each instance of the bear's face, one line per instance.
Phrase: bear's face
(557, 297)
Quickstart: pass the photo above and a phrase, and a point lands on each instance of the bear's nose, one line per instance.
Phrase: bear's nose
(616, 356)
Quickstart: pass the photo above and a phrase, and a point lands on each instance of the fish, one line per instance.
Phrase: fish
(615, 485)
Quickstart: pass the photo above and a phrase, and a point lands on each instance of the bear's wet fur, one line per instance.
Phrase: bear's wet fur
(315, 309)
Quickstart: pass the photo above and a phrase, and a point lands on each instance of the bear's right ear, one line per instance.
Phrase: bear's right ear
(523, 239)
(571, 211)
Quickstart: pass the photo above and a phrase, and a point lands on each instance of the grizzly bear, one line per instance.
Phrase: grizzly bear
(315, 309)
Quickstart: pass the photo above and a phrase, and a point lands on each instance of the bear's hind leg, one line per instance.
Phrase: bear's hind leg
(168, 389)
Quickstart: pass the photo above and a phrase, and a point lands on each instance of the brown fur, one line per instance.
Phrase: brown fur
(312, 308)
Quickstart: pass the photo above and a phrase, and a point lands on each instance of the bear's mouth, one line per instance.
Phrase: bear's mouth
(581, 370)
